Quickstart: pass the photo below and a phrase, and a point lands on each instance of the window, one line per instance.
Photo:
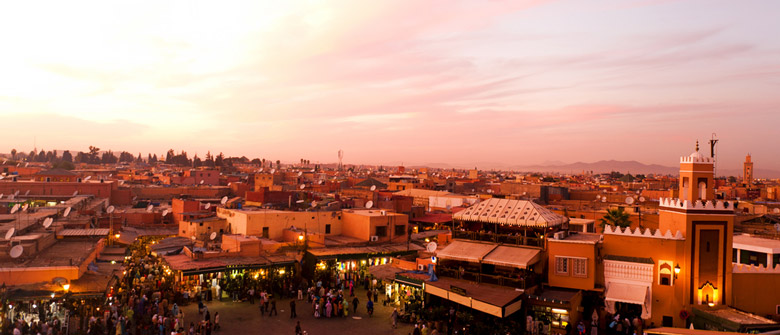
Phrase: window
(265, 232)
(579, 267)
(400, 230)
(668, 321)
(327, 229)
(562, 266)
(665, 273)
(381, 231)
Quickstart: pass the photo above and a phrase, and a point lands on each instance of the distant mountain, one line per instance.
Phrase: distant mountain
(605, 166)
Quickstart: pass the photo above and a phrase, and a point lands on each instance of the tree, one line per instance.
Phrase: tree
(13, 154)
(63, 165)
(278, 164)
(169, 156)
(67, 157)
(616, 217)
(196, 161)
(219, 161)
(93, 155)
(42, 156)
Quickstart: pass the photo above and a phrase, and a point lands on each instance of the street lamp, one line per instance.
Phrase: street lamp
(66, 287)
(676, 270)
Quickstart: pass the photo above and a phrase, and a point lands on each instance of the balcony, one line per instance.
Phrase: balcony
(524, 282)
(499, 238)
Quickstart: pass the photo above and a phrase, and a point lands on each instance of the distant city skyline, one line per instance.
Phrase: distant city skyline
(460, 83)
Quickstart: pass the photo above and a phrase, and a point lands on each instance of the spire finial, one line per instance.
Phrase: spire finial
(697, 145)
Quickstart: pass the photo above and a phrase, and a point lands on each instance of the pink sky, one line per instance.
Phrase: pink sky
(459, 82)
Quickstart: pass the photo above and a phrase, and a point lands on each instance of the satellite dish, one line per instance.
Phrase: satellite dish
(604, 199)
(776, 210)
(641, 199)
(25, 207)
(165, 212)
(47, 222)
(598, 197)
(431, 247)
(135, 197)
(224, 200)
(67, 211)
(16, 194)
(208, 205)
(302, 186)
(26, 164)
(149, 208)
(261, 170)
(75, 193)
(16, 251)
(629, 200)
(110, 175)
(1, 195)
(319, 182)
(15, 208)
(213, 235)
(273, 171)
(27, 193)
(313, 204)
(10, 233)
(110, 209)
(193, 238)
(369, 204)
(87, 178)
(121, 182)
(299, 201)
(202, 181)
(300, 173)
(373, 187)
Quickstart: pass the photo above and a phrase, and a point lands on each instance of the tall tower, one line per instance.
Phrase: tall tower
(707, 226)
(697, 177)
(341, 156)
(747, 171)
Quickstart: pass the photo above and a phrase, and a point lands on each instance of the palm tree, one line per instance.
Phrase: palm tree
(616, 217)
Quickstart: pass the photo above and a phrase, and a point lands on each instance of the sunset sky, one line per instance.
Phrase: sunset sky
(458, 82)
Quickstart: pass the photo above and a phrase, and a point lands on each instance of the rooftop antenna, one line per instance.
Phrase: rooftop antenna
(16, 251)
(713, 152)
(10, 233)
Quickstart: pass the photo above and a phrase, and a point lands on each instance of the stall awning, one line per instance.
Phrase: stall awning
(632, 294)
(495, 300)
(512, 257)
(466, 251)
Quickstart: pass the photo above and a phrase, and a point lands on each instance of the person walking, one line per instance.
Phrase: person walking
(273, 307)
(298, 328)
(370, 308)
(355, 303)
(292, 309)
(216, 321)
(394, 317)
(251, 293)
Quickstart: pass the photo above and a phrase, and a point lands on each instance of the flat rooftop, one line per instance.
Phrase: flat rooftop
(62, 253)
(753, 243)
(587, 238)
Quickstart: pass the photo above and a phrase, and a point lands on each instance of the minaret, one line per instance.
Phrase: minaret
(707, 226)
(747, 171)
